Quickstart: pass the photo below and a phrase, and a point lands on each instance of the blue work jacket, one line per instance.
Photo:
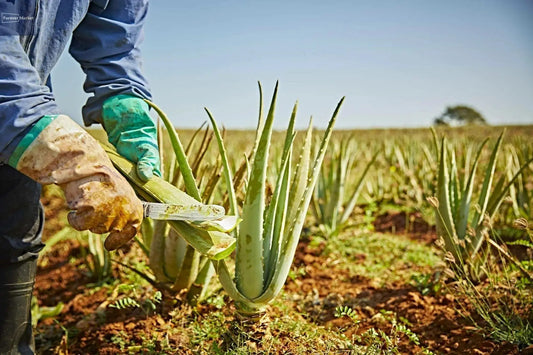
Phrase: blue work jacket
(106, 35)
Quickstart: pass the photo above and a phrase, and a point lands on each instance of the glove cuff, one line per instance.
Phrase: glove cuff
(28, 139)
(58, 152)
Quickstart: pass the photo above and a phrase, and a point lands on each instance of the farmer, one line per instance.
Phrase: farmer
(39, 145)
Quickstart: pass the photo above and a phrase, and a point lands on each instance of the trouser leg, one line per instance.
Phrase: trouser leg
(21, 225)
(21, 216)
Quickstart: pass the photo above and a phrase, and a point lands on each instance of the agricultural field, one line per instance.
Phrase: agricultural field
(413, 242)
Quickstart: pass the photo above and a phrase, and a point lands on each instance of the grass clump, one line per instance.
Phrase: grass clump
(381, 257)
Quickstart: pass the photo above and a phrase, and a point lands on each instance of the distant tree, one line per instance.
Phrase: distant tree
(460, 116)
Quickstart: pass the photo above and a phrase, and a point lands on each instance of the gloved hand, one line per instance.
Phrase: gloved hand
(58, 151)
(133, 132)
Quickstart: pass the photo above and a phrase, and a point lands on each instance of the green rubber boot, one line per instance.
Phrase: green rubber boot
(16, 286)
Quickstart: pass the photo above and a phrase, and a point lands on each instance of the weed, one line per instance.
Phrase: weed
(296, 273)
(217, 300)
(208, 328)
(39, 313)
(370, 216)
(120, 340)
(124, 303)
(428, 283)
(346, 311)
(380, 342)
(503, 299)
(148, 305)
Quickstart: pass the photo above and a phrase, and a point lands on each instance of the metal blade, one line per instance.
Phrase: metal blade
(183, 212)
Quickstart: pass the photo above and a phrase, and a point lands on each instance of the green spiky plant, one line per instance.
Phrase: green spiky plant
(334, 199)
(268, 235)
(461, 222)
(99, 261)
(484, 269)
(521, 192)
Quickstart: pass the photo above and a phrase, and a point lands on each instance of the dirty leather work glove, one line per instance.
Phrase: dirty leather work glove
(56, 150)
(133, 132)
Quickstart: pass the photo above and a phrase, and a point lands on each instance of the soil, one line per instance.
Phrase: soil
(411, 225)
(95, 328)
(433, 318)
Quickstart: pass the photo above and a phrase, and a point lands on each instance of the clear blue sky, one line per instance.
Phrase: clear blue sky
(399, 63)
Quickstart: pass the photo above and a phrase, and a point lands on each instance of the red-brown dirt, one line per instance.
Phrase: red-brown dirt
(411, 224)
(433, 318)
(317, 293)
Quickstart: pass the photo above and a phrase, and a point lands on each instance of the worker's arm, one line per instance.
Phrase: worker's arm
(24, 98)
(51, 148)
(106, 44)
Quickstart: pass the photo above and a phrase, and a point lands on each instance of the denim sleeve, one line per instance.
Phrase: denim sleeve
(106, 44)
(24, 99)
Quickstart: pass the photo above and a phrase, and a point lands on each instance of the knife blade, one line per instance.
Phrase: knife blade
(191, 213)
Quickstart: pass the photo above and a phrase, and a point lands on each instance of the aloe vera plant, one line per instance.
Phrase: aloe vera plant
(334, 200)
(520, 192)
(99, 261)
(268, 235)
(461, 224)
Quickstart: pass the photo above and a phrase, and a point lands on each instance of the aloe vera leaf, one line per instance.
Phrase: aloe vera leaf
(464, 209)
(277, 229)
(467, 157)
(336, 185)
(234, 210)
(172, 176)
(301, 174)
(322, 192)
(157, 252)
(225, 278)
(93, 262)
(277, 204)
(144, 248)
(219, 245)
(186, 172)
(188, 270)
(260, 120)
(165, 171)
(147, 231)
(289, 135)
(454, 187)
(173, 254)
(487, 182)
(315, 207)
(198, 290)
(225, 224)
(249, 253)
(444, 221)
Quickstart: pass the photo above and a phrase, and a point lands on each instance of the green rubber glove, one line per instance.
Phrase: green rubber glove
(133, 132)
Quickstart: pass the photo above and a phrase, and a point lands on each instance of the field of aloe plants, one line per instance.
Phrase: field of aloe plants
(352, 242)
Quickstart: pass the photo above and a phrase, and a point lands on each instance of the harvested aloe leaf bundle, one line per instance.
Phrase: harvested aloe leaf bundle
(209, 238)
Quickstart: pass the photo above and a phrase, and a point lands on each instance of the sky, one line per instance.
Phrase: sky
(399, 63)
